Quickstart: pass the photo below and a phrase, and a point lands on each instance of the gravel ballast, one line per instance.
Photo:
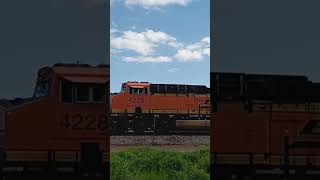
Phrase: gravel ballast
(160, 140)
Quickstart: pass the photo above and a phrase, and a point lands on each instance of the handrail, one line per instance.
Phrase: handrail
(264, 159)
(44, 155)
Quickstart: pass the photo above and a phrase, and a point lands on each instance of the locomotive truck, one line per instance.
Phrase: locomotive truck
(264, 127)
(143, 107)
(63, 128)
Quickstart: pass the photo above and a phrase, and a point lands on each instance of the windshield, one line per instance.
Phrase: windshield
(42, 89)
(138, 90)
(123, 88)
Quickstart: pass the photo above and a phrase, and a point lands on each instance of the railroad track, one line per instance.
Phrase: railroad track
(182, 133)
(194, 140)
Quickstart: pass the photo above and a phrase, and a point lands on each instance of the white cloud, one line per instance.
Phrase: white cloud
(113, 30)
(206, 40)
(148, 59)
(143, 43)
(185, 55)
(173, 70)
(195, 51)
(158, 37)
(115, 52)
(206, 51)
(149, 4)
(204, 43)
(195, 46)
(176, 44)
(137, 45)
(114, 24)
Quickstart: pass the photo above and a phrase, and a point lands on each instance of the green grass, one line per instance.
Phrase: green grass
(152, 164)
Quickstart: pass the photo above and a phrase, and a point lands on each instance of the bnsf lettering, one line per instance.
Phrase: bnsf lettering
(85, 122)
(136, 100)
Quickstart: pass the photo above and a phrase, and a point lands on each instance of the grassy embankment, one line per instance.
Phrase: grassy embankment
(152, 164)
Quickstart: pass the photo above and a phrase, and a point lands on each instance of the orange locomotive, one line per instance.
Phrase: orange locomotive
(141, 106)
(264, 126)
(64, 124)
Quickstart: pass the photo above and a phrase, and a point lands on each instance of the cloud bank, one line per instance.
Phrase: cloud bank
(150, 4)
(146, 43)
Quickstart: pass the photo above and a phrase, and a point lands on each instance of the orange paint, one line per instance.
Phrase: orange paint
(40, 124)
(167, 102)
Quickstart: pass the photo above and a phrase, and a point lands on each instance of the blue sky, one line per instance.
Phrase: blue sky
(160, 41)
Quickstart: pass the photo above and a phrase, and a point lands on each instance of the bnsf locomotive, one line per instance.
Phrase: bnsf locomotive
(63, 128)
(162, 108)
(264, 126)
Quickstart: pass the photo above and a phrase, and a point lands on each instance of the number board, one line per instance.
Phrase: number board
(136, 100)
(79, 121)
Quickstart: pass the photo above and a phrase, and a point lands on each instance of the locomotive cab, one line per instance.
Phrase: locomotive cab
(138, 89)
(65, 122)
(133, 96)
(135, 88)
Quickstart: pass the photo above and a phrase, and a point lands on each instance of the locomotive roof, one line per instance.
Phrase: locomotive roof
(131, 83)
(281, 88)
(147, 83)
(258, 75)
(179, 88)
(81, 70)
(78, 73)
(170, 88)
(76, 70)
(181, 85)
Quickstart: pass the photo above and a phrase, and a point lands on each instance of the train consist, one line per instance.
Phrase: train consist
(142, 107)
(63, 128)
(264, 126)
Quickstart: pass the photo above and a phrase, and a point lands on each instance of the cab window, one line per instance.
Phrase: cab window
(83, 93)
(67, 93)
(99, 94)
(138, 90)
